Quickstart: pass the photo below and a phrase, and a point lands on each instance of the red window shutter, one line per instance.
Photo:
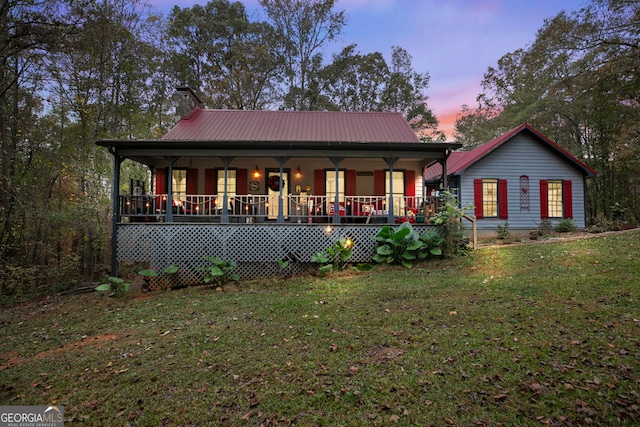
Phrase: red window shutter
(567, 199)
(503, 209)
(410, 187)
(378, 183)
(209, 181)
(161, 181)
(477, 197)
(544, 199)
(192, 181)
(318, 182)
(241, 181)
(351, 183)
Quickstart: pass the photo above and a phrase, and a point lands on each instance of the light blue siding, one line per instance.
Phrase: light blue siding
(519, 156)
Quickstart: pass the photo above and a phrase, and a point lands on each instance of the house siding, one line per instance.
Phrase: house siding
(523, 155)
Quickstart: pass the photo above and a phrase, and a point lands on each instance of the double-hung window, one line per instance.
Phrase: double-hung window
(490, 198)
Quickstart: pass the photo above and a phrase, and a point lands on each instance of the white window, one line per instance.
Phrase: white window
(179, 183)
(554, 191)
(398, 191)
(490, 198)
(330, 187)
(231, 186)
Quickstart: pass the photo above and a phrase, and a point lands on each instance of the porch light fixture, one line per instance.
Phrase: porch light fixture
(298, 174)
(256, 172)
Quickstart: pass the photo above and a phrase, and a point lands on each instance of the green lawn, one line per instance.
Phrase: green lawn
(531, 334)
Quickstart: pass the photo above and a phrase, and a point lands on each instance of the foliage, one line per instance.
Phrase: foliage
(449, 220)
(170, 269)
(503, 231)
(432, 242)
(305, 27)
(220, 271)
(116, 285)
(148, 273)
(334, 258)
(578, 84)
(566, 225)
(398, 246)
(545, 227)
(337, 350)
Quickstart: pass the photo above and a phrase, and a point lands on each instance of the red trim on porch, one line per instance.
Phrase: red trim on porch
(161, 181)
(209, 181)
(318, 182)
(378, 183)
(410, 186)
(192, 181)
(241, 181)
(350, 188)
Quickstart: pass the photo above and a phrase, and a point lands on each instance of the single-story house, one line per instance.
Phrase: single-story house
(521, 177)
(262, 186)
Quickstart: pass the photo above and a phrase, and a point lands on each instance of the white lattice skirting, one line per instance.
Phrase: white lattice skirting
(255, 247)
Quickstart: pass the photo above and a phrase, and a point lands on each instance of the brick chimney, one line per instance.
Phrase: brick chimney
(186, 101)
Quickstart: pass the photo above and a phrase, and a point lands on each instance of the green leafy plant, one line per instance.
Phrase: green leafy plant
(432, 242)
(146, 276)
(566, 225)
(116, 285)
(545, 228)
(503, 231)
(220, 271)
(449, 221)
(397, 246)
(334, 258)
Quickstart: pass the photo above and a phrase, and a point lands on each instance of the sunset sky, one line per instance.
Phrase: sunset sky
(455, 41)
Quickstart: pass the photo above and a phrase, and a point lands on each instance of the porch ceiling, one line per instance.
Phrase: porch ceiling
(152, 151)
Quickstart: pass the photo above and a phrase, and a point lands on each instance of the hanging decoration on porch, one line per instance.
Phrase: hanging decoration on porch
(273, 182)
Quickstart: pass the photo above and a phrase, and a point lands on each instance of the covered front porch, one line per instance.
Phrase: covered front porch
(273, 171)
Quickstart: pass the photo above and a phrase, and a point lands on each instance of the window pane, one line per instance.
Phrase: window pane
(398, 191)
(179, 182)
(555, 199)
(231, 186)
(490, 198)
(330, 186)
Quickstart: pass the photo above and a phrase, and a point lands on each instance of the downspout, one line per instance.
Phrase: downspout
(117, 161)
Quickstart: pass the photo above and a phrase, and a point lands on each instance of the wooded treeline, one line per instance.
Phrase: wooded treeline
(73, 71)
(578, 83)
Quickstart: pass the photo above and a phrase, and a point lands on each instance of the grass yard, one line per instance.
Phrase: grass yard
(528, 335)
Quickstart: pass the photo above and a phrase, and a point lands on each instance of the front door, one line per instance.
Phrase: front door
(273, 194)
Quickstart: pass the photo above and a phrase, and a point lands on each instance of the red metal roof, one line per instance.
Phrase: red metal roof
(459, 161)
(292, 126)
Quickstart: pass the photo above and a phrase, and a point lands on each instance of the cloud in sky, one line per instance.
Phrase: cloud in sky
(455, 41)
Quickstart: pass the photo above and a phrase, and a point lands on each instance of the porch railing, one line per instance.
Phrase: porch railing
(265, 208)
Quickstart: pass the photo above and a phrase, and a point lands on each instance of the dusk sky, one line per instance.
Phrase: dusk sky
(455, 41)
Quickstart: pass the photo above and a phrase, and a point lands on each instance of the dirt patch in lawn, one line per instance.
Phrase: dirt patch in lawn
(381, 353)
(13, 358)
